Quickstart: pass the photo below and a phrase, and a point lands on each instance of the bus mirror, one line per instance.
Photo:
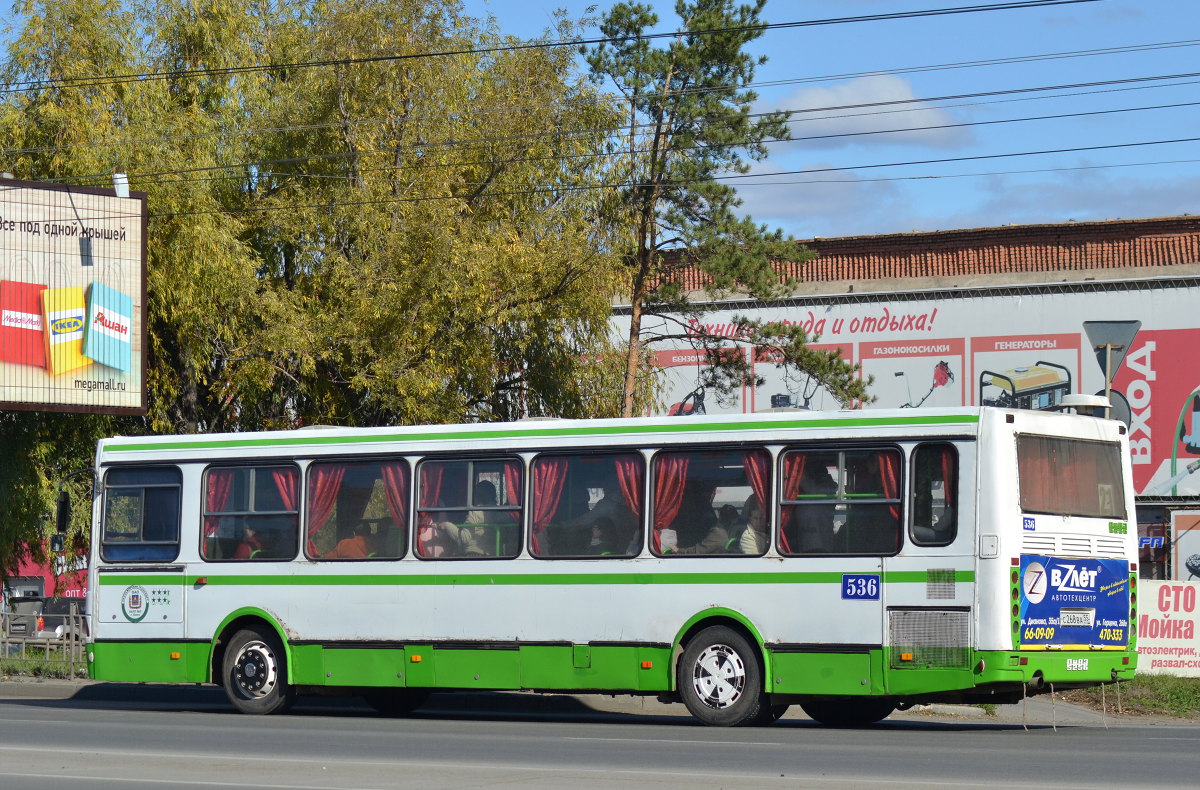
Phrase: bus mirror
(58, 543)
(62, 512)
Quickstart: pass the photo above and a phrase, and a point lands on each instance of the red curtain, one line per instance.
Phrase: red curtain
(1034, 475)
(670, 476)
(629, 478)
(287, 483)
(549, 475)
(220, 481)
(793, 478)
(512, 485)
(757, 464)
(324, 482)
(889, 475)
(395, 486)
(949, 475)
(431, 489)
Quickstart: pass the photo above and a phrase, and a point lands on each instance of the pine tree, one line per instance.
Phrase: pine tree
(688, 123)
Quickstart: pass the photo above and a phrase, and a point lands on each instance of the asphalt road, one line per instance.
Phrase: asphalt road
(88, 736)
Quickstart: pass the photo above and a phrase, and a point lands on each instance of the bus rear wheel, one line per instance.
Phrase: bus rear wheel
(255, 673)
(719, 678)
(848, 713)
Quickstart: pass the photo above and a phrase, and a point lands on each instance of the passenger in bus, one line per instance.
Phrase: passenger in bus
(441, 538)
(604, 538)
(815, 532)
(754, 538)
(611, 506)
(695, 521)
(356, 547)
(484, 537)
(485, 496)
(697, 527)
(251, 545)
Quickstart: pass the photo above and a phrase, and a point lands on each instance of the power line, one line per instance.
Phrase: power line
(794, 81)
(1141, 81)
(972, 64)
(974, 158)
(143, 177)
(941, 176)
(936, 127)
(120, 79)
(732, 177)
(126, 142)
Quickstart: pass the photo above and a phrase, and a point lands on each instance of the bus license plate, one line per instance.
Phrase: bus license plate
(1076, 617)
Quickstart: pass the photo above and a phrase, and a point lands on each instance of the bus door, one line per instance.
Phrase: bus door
(929, 589)
(139, 582)
(840, 516)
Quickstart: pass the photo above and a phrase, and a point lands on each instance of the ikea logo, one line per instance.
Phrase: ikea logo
(65, 326)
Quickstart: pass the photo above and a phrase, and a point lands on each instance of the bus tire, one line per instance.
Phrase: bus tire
(849, 712)
(255, 672)
(769, 714)
(396, 702)
(719, 678)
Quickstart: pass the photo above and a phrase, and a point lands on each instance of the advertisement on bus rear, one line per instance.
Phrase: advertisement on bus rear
(72, 296)
(1073, 604)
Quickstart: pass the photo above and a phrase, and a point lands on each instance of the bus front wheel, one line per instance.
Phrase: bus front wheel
(255, 673)
(719, 678)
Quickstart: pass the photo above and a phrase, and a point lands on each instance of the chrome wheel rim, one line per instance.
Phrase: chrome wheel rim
(719, 677)
(256, 671)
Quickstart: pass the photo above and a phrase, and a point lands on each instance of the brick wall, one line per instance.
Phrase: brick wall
(1013, 249)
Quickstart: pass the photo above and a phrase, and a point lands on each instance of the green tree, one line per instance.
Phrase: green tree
(342, 229)
(438, 260)
(688, 122)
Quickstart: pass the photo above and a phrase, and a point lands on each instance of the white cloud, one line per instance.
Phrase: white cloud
(1085, 195)
(832, 203)
(844, 203)
(847, 118)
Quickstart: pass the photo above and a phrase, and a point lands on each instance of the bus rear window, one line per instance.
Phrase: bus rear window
(1070, 477)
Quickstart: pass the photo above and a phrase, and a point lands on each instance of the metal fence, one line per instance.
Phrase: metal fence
(46, 644)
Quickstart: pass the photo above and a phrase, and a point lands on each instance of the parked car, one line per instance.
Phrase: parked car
(47, 618)
(21, 619)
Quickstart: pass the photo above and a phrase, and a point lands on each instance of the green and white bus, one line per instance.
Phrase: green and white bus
(849, 562)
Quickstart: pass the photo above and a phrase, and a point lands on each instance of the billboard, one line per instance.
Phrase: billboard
(1011, 346)
(1168, 623)
(72, 299)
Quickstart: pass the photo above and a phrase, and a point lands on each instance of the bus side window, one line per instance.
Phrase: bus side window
(934, 494)
(141, 515)
(840, 502)
(253, 509)
(357, 510)
(469, 509)
(587, 505)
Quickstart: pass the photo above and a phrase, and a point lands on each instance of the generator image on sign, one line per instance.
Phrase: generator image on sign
(1041, 386)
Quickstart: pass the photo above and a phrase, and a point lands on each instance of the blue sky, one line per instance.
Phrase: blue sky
(849, 194)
